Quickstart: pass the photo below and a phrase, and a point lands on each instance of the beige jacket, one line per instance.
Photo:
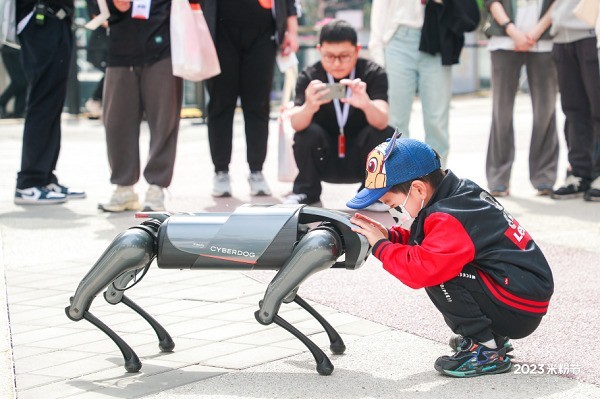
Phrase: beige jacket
(589, 12)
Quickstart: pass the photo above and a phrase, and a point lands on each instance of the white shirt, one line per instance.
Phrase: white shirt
(527, 15)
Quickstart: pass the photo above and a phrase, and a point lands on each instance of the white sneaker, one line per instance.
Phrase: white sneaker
(377, 206)
(294, 198)
(155, 199)
(71, 193)
(122, 199)
(221, 185)
(258, 184)
(94, 108)
(38, 196)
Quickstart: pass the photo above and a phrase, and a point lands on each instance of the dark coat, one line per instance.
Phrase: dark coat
(445, 25)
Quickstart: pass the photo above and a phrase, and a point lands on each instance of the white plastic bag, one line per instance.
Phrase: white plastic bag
(287, 169)
(193, 52)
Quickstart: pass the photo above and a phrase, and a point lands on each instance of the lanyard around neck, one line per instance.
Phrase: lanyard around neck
(342, 116)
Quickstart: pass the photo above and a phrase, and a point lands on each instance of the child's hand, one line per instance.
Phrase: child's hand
(370, 228)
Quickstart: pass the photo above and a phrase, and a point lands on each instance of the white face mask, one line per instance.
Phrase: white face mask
(400, 213)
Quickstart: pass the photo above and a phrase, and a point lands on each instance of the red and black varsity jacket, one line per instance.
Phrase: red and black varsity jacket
(463, 225)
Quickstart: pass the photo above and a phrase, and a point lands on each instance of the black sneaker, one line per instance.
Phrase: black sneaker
(38, 196)
(574, 187)
(71, 193)
(474, 360)
(456, 342)
(294, 198)
(593, 194)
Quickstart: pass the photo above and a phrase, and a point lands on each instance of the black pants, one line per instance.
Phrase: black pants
(46, 52)
(316, 154)
(247, 58)
(579, 85)
(469, 311)
(18, 83)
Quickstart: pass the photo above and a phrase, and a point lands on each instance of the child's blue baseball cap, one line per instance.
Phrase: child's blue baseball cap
(395, 161)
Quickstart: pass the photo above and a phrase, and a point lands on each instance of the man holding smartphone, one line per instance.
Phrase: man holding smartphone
(336, 126)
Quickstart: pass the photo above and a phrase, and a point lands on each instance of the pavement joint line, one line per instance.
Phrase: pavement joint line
(8, 387)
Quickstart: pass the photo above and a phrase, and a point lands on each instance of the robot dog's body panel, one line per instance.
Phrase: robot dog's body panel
(294, 239)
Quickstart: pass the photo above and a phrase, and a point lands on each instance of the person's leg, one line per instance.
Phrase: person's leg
(506, 68)
(122, 116)
(543, 149)
(312, 146)
(576, 107)
(162, 105)
(45, 50)
(223, 91)
(435, 92)
(256, 77)
(401, 57)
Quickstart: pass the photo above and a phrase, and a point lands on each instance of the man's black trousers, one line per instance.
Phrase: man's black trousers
(316, 154)
(46, 52)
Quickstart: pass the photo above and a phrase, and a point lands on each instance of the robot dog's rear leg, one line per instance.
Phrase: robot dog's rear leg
(317, 250)
(337, 345)
(131, 250)
(114, 295)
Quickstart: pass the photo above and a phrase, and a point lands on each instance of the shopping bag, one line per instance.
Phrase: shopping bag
(287, 169)
(193, 52)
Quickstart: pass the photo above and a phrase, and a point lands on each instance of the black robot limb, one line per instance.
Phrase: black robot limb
(296, 240)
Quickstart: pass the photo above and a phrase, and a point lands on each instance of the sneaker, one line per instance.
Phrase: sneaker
(71, 193)
(38, 196)
(122, 199)
(593, 194)
(94, 108)
(377, 206)
(221, 185)
(155, 199)
(574, 187)
(474, 359)
(457, 341)
(500, 191)
(258, 184)
(294, 198)
(544, 190)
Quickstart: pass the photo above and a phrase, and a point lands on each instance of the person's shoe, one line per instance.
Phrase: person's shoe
(500, 191)
(38, 196)
(122, 199)
(474, 360)
(258, 184)
(155, 199)
(593, 194)
(377, 206)
(71, 193)
(457, 342)
(544, 190)
(221, 185)
(94, 108)
(574, 187)
(294, 198)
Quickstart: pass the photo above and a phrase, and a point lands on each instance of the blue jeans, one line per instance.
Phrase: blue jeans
(410, 70)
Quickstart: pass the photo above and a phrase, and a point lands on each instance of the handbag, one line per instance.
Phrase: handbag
(193, 52)
(287, 169)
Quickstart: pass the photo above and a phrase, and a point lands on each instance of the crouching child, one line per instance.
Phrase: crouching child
(480, 268)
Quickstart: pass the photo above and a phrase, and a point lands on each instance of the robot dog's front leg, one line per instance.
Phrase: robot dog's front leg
(131, 250)
(317, 250)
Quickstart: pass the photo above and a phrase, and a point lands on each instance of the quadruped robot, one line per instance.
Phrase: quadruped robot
(296, 240)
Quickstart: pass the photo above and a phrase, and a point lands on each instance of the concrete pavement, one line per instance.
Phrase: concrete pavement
(392, 333)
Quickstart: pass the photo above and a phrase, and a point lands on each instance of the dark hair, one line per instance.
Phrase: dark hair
(434, 179)
(338, 31)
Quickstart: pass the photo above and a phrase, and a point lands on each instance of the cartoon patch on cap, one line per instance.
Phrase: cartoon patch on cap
(376, 174)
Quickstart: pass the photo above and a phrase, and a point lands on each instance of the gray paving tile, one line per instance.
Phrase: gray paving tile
(25, 381)
(43, 361)
(251, 357)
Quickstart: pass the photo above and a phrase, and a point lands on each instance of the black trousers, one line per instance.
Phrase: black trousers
(469, 311)
(579, 85)
(247, 58)
(18, 83)
(46, 52)
(316, 154)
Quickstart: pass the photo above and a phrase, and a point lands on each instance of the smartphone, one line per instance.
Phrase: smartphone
(336, 90)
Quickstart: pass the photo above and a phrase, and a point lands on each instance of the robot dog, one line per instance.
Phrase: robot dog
(296, 240)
